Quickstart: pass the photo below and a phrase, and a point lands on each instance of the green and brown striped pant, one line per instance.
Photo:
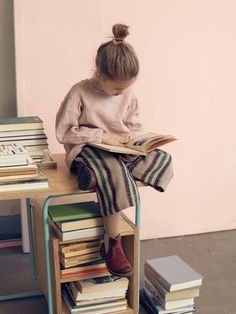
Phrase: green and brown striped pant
(116, 173)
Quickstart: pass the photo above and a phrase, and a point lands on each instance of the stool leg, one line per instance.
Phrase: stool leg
(137, 223)
(30, 232)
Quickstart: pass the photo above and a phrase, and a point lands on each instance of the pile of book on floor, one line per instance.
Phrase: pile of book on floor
(96, 295)
(29, 132)
(170, 286)
(18, 171)
(73, 222)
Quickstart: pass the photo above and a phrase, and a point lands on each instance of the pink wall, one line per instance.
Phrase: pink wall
(186, 87)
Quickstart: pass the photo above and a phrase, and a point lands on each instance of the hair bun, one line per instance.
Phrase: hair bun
(120, 31)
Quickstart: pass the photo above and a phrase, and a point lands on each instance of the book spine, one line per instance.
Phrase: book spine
(151, 277)
(80, 224)
(79, 246)
(150, 288)
(68, 264)
(29, 142)
(81, 252)
(148, 303)
(85, 274)
(82, 268)
(81, 260)
(83, 233)
(158, 277)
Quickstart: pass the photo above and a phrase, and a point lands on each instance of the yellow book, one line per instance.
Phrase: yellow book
(79, 259)
(78, 246)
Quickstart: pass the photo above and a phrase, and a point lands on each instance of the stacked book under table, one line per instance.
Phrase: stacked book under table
(98, 291)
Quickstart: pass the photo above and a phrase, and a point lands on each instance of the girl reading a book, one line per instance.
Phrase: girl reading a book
(103, 109)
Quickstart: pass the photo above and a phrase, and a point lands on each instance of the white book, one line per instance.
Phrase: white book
(14, 154)
(173, 273)
(148, 302)
(159, 291)
(80, 233)
(102, 283)
(176, 311)
(24, 182)
(4, 134)
(107, 307)
(113, 292)
(35, 149)
(169, 305)
(24, 186)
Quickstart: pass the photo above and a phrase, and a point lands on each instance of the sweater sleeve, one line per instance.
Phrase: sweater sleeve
(132, 119)
(68, 130)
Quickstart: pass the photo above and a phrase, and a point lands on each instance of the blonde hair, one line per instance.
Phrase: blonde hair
(116, 59)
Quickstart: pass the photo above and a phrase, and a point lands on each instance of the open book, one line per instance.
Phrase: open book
(141, 145)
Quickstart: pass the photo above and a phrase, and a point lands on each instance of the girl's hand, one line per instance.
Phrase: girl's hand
(115, 140)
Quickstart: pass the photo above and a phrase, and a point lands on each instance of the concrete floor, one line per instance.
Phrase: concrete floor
(212, 254)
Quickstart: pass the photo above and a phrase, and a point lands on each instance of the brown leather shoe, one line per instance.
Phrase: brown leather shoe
(116, 261)
(85, 176)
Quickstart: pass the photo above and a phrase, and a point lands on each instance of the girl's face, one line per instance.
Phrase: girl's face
(115, 88)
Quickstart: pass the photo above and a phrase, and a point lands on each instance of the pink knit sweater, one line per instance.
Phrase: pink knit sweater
(86, 113)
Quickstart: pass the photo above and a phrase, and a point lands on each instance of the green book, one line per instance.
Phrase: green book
(74, 211)
(20, 123)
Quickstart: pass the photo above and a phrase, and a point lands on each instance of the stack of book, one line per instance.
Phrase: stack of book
(26, 131)
(18, 171)
(81, 260)
(170, 286)
(78, 222)
(79, 253)
(97, 295)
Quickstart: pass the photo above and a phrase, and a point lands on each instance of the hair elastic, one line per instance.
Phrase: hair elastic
(117, 40)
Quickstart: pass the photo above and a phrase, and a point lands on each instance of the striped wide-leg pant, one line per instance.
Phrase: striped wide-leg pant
(116, 173)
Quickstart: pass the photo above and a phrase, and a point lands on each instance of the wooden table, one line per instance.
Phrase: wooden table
(61, 183)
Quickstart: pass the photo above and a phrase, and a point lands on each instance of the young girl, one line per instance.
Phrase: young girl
(104, 109)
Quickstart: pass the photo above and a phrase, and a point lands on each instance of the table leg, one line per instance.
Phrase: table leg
(137, 223)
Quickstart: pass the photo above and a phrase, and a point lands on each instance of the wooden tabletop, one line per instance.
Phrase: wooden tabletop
(61, 182)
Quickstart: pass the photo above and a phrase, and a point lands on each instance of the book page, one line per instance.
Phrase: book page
(148, 141)
(117, 149)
